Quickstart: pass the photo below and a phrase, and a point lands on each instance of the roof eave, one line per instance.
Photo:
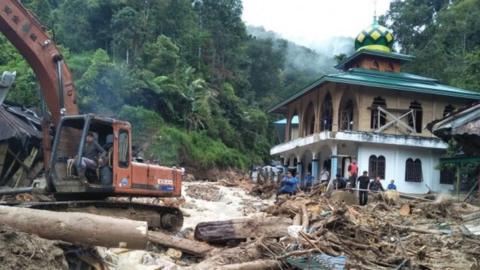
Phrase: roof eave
(397, 56)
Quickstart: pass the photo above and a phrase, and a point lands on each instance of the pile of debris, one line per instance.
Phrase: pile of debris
(207, 192)
(297, 232)
(326, 233)
(20, 250)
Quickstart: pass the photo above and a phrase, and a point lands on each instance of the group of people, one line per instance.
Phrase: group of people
(289, 183)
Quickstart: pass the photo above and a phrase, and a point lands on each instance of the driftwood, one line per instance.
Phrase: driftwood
(185, 245)
(238, 229)
(472, 216)
(77, 228)
(305, 220)
(253, 265)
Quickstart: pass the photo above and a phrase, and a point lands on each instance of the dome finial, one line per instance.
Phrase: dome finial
(375, 12)
(376, 37)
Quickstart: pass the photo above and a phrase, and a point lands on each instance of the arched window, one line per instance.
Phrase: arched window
(391, 67)
(309, 120)
(415, 120)
(376, 166)
(413, 170)
(346, 115)
(448, 110)
(327, 114)
(378, 118)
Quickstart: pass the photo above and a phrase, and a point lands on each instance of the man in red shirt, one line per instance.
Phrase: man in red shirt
(353, 173)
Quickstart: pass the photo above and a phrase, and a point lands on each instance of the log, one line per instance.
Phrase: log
(471, 216)
(239, 229)
(305, 220)
(195, 248)
(77, 228)
(253, 265)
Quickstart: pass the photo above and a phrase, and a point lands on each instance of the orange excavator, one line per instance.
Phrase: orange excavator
(116, 173)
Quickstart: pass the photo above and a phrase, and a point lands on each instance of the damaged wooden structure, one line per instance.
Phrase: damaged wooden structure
(20, 140)
(462, 129)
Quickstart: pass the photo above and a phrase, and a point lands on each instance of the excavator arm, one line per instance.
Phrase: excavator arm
(26, 34)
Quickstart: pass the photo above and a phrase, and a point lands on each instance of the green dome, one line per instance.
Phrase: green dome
(376, 37)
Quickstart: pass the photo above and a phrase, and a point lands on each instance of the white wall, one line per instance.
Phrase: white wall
(395, 158)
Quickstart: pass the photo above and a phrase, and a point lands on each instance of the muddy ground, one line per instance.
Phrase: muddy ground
(24, 251)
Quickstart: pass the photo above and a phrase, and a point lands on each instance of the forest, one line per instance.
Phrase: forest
(196, 82)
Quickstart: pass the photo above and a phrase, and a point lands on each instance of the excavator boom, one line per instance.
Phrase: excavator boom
(68, 176)
(28, 36)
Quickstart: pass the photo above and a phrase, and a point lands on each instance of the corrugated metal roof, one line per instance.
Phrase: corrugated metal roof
(13, 126)
(390, 55)
(386, 80)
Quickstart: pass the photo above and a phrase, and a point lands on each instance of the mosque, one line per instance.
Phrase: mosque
(374, 113)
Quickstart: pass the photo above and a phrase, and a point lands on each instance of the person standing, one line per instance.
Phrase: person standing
(289, 185)
(364, 182)
(353, 173)
(392, 185)
(339, 182)
(308, 181)
(376, 185)
(324, 175)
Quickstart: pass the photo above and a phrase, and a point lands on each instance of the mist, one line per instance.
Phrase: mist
(317, 58)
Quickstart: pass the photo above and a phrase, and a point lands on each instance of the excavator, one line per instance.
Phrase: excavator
(74, 187)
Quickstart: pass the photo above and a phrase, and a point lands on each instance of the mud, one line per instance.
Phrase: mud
(28, 252)
(207, 192)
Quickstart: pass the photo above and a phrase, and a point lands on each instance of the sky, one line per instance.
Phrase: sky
(312, 22)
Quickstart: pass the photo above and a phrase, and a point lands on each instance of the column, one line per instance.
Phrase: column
(334, 162)
(299, 169)
(315, 164)
(285, 166)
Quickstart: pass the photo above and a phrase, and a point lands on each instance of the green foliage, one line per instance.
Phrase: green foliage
(162, 56)
(443, 35)
(194, 85)
(104, 86)
(25, 91)
(144, 122)
(174, 146)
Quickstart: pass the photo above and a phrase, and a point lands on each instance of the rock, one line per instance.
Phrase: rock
(174, 253)
(405, 210)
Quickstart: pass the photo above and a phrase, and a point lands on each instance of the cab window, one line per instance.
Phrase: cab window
(123, 149)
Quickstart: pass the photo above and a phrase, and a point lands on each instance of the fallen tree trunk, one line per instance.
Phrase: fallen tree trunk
(77, 228)
(185, 245)
(472, 216)
(254, 265)
(238, 229)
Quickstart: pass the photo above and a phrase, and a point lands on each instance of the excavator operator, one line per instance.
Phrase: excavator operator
(92, 153)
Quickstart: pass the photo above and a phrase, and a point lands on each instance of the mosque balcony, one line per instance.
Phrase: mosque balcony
(330, 137)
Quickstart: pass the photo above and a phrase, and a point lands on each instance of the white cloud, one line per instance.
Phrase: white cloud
(312, 22)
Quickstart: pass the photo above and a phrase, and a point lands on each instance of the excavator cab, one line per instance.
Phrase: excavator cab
(110, 173)
(71, 171)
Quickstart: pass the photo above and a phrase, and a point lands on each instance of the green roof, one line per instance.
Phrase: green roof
(390, 55)
(398, 81)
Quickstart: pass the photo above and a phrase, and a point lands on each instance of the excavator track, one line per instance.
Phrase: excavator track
(158, 217)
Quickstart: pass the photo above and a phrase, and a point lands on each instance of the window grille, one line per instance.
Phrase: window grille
(376, 166)
(413, 170)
